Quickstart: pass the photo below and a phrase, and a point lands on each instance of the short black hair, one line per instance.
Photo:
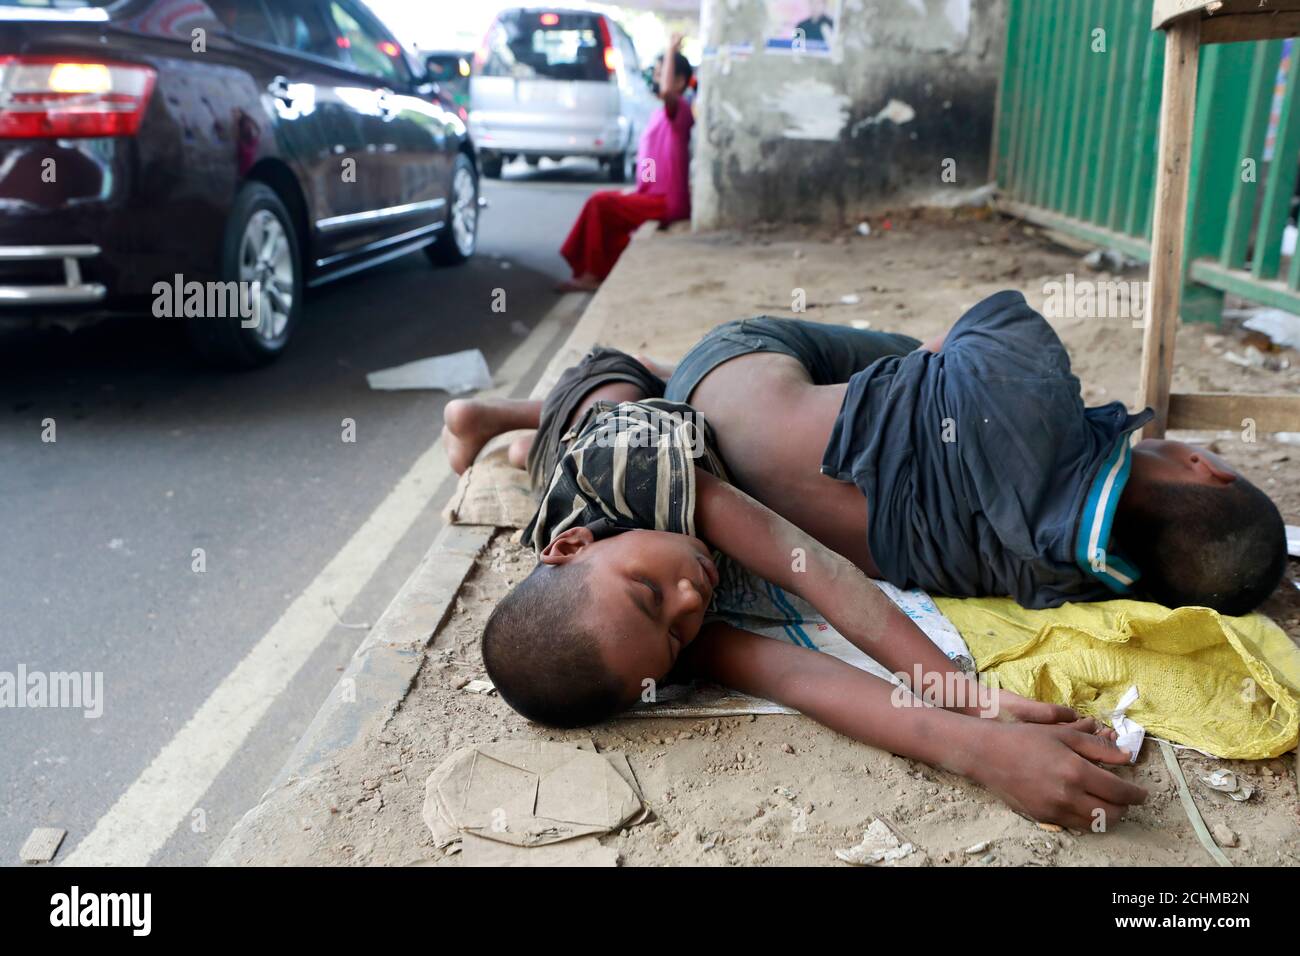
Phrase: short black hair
(544, 658)
(1221, 547)
(682, 68)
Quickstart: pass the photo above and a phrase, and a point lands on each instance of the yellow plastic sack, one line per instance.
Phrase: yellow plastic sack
(1229, 686)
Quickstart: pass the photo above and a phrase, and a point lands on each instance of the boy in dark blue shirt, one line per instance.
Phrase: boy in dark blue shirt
(968, 466)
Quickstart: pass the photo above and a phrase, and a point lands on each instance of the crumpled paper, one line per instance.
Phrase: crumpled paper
(879, 845)
(1227, 782)
(1131, 733)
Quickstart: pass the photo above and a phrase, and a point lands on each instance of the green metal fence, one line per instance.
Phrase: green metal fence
(1075, 146)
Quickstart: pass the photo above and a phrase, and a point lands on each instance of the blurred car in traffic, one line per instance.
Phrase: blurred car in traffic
(555, 82)
(151, 148)
(450, 69)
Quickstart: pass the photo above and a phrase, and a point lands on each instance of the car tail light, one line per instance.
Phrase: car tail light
(612, 58)
(54, 98)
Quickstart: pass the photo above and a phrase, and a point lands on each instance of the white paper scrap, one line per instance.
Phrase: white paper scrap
(456, 374)
(1131, 733)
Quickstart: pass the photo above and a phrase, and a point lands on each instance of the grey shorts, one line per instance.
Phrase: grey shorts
(832, 354)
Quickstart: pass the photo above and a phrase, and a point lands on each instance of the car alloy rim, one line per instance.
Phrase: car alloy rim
(464, 211)
(265, 257)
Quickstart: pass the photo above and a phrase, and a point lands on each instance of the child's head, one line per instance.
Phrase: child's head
(1199, 532)
(573, 642)
(682, 72)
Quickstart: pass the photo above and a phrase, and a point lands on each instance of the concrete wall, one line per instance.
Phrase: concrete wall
(791, 137)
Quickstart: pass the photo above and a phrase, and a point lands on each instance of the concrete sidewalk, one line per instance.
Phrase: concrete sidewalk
(745, 790)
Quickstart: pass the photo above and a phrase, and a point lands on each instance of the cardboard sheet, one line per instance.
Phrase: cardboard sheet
(492, 492)
(530, 794)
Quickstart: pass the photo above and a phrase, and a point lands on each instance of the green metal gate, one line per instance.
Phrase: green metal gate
(1075, 145)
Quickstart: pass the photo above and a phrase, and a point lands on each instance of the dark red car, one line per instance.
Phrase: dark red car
(190, 156)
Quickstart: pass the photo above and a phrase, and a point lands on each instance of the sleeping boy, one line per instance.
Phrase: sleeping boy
(620, 595)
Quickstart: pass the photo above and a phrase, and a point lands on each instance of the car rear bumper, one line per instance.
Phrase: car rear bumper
(111, 220)
(26, 271)
(544, 136)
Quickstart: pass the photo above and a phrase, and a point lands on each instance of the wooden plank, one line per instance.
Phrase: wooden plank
(1230, 411)
(1177, 121)
(1165, 10)
(1209, 11)
(1250, 26)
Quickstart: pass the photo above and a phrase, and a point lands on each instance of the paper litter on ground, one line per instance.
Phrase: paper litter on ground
(457, 374)
(42, 845)
(1225, 781)
(879, 845)
(530, 793)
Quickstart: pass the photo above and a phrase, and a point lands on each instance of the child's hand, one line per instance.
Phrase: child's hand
(1087, 725)
(675, 43)
(1014, 707)
(1045, 771)
(1009, 706)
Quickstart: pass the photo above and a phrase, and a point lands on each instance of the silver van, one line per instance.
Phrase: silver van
(558, 81)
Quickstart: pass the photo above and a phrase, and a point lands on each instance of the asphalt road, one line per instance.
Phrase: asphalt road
(156, 457)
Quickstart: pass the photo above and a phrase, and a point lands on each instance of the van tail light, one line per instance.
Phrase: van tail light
(57, 98)
(612, 57)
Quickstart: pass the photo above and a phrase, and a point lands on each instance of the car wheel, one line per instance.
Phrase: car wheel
(459, 237)
(491, 166)
(260, 246)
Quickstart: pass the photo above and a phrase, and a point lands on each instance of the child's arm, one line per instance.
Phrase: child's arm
(777, 551)
(668, 76)
(1043, 771)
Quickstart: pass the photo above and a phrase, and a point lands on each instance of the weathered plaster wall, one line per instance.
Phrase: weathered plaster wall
(796, 138)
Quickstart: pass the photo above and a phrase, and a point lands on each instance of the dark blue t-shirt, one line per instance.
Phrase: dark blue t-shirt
(983, 471)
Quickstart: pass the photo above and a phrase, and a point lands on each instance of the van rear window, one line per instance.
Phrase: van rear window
(535, 44)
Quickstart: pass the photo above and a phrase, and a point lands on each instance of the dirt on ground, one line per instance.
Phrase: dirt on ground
(777, 789)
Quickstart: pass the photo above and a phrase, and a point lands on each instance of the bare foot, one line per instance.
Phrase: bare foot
(582, 283)
(519, 448)
(470, 423)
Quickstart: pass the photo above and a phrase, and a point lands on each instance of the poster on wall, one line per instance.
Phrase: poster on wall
(807, 27)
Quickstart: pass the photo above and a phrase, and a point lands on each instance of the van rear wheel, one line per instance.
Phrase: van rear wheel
(622, 169)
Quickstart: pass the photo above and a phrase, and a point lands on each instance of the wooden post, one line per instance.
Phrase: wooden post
(1177, 123)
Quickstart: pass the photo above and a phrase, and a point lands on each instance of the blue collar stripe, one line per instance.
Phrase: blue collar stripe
(1098, 518)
